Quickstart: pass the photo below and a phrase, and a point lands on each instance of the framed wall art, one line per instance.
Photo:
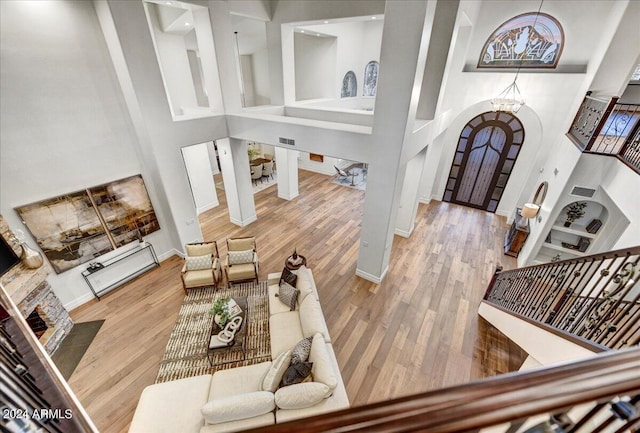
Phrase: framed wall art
(77, 227)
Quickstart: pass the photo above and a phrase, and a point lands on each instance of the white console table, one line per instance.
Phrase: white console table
(120, 269)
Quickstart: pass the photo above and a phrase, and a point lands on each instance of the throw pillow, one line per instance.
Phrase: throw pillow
(297, 373)
(288, 277)
(237, 407)
(278, 368)
(288, 295)
(301, 395)
(300, 353)
(322, 371)
(239, 257)
(303, 284)
(198, 263)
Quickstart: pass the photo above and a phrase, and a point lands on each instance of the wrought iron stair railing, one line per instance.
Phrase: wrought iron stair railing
(607, 127)
(592, 300)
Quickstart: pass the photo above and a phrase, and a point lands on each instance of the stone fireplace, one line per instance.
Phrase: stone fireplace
(47, 315)
(35, 299)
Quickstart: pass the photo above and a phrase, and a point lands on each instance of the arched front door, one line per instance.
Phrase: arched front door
(487, 150)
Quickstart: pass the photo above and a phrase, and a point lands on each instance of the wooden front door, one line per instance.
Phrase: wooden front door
(487, 150)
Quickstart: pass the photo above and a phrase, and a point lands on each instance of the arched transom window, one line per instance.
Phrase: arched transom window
(531, 40)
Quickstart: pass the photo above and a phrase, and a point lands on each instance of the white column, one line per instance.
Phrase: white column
(198, 166)
(409, 196)
(287, 169)
(234, 162)
(400, 78)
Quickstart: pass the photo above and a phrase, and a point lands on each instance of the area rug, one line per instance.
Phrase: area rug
(359, 180)
(74, 346)
(186, 351)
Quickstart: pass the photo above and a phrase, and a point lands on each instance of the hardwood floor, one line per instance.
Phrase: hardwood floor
(418, 330)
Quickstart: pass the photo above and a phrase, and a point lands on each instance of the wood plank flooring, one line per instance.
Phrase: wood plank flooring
(418, 330)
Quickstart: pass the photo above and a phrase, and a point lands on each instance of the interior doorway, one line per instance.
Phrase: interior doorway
(486, 152)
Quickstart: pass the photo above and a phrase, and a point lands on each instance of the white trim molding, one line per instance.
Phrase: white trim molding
(370, 277)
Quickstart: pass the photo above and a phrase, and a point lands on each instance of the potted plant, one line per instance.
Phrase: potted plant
(253, 153)
(575, 211)
(220, 312)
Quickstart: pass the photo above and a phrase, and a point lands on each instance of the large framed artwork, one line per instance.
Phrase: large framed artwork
(126, 209)
(75, 228)
(67, 228)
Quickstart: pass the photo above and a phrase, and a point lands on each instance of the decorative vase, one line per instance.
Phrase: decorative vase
(219, 320)
(567, 223)
(31, 258)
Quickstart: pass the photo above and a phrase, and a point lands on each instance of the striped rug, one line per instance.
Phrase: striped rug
(186, 351)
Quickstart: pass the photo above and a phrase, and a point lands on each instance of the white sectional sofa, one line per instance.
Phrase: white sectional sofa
(233, 399)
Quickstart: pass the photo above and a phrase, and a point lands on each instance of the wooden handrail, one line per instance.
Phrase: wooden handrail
(489, 402)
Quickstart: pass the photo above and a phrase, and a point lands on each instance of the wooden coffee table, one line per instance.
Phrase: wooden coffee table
(238, 343)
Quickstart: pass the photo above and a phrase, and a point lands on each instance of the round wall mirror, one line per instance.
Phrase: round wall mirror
(541, 193)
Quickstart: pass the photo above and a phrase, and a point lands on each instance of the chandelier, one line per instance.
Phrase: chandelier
(510, 100)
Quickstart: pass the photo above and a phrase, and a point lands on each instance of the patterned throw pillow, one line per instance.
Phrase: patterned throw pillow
(198, 263)
(300, 353)
(297, 373)
(288, 295)
(288, 277)
(239, 257)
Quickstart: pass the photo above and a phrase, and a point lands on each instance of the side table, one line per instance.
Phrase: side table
(292, 267)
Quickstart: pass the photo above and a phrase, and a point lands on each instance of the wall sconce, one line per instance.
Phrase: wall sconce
(529, 210)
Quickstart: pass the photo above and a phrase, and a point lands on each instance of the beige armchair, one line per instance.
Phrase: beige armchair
(241, 263)
(201, 265)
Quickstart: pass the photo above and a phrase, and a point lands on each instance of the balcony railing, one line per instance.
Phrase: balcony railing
(593, 300)
(608, 128)
(599, 394)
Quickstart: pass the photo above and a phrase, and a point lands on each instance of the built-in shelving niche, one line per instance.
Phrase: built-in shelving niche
(577, 239)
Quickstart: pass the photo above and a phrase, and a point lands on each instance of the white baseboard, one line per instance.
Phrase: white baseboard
(425, 200)
(244, 222)
(168, 254)
(207, 207)
(79, 301)
(285, 197)
(405, 233)
(370, 277)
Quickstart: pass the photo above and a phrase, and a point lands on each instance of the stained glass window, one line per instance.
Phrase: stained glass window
(531, 40)
(370, 79)
(349, 85)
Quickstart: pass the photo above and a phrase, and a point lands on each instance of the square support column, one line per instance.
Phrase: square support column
(287, 168)
(234, 163)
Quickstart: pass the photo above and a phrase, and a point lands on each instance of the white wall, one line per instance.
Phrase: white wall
(260, 65)
(63, 122)
(324, 167)
(172, 55)
(315, 66)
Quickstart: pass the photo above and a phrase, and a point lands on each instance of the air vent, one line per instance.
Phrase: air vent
(289, 141)
(583, 192)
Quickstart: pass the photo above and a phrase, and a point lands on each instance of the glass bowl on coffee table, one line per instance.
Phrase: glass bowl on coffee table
(219, 350)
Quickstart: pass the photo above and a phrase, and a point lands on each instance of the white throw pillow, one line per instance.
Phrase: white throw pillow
(276, 371)
(239, 257)
(198, 263)
(240, 406)
(322, 370)
(303, 284)
(311, 318)
(301, 395)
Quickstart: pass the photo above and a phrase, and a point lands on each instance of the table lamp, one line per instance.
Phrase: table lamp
(529, 210)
